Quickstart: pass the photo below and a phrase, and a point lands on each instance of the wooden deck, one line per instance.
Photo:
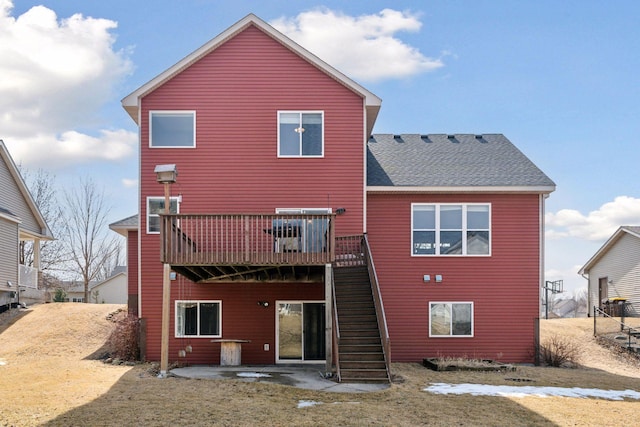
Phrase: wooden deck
(211, 247)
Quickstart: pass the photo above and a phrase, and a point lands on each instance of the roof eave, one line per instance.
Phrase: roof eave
(45, 233)
(541, 189)
(132, 101)
(605, 248)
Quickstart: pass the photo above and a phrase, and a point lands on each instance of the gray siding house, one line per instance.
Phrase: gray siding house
(614, 271)
(20, 220)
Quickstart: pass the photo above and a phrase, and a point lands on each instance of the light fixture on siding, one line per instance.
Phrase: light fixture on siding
(263, 303)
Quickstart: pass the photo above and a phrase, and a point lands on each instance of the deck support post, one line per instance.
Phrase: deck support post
(166, 305)
(328, 310)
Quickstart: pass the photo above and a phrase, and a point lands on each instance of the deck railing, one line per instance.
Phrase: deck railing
(245, 239)
(377, 299)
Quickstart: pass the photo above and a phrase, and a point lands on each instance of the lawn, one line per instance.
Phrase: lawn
(47, 377)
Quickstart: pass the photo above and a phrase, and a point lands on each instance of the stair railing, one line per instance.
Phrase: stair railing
(336, 328)
(377, 299)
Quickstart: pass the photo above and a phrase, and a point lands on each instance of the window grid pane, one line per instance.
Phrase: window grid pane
(459, 229)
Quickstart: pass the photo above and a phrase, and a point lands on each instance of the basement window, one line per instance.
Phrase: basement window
(451, 319)
(199, 319)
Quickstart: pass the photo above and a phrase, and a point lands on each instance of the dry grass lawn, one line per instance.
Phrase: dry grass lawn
(47, 377)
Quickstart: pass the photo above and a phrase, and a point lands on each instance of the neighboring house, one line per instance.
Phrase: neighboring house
(567, 307)
(112, 290)
(613, 272)
(128, 228)
(295, 229)
(20, 221)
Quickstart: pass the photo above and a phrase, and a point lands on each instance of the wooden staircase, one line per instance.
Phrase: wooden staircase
(360, 352)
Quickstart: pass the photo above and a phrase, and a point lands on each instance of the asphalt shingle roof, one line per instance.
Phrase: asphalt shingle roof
(440, 160)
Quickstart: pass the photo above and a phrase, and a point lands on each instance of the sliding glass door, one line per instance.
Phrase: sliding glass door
(301, 329)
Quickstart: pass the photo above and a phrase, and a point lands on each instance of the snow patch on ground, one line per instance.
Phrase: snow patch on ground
(252, 375)
(524, 391)
(2, 362)
(307, 403)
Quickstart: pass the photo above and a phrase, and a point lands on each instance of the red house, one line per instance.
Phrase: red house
(297, 235)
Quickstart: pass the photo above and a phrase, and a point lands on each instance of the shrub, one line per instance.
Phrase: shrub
(123, 341)
(559, 352)
(60, 295)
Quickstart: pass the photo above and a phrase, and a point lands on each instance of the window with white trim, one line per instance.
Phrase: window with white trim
(450, 229)
(300, 133)
(155, 207)
(451, 319)
(199, 319)
(172, 129)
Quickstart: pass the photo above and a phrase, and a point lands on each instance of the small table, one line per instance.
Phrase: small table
(230, 351)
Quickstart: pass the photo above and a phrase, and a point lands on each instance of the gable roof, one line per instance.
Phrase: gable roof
(131, 102)
(45, 232)
(125, 225)
(630, 230)
(451, 163)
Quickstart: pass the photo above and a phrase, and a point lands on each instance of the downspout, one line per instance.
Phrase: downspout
(541, 256)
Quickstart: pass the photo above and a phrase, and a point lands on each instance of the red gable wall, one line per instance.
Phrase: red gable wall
(504, 286)
(236, 91)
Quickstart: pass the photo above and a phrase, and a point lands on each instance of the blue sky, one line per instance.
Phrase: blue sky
(559, 79)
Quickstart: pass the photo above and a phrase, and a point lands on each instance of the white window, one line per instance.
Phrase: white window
(199, 319)
(450, 229)
(155, 206)
(300, 133)
(451, 319)
(172, 129)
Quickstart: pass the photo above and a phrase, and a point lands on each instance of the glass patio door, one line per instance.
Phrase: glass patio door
(300, 332)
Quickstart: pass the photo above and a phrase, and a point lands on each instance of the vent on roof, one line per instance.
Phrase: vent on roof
(372, 138)
(480, 138)
(425, 138)
(398, 138)
(452, 138)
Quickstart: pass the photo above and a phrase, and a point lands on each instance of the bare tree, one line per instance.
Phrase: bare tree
(41, 185)
(86, 235)
(581, 297)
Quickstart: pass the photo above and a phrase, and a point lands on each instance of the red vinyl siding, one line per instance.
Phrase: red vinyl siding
(236, 92)
(504, 287)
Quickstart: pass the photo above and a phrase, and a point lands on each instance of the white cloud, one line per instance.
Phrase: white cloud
(56, 75)
(597, 225)
(129, 183)
(362, 47)
(47, 151)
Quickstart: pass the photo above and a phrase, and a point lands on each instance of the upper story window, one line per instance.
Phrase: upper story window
(172, 129)
(300, 133)
(155, 206)
(451, 229)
